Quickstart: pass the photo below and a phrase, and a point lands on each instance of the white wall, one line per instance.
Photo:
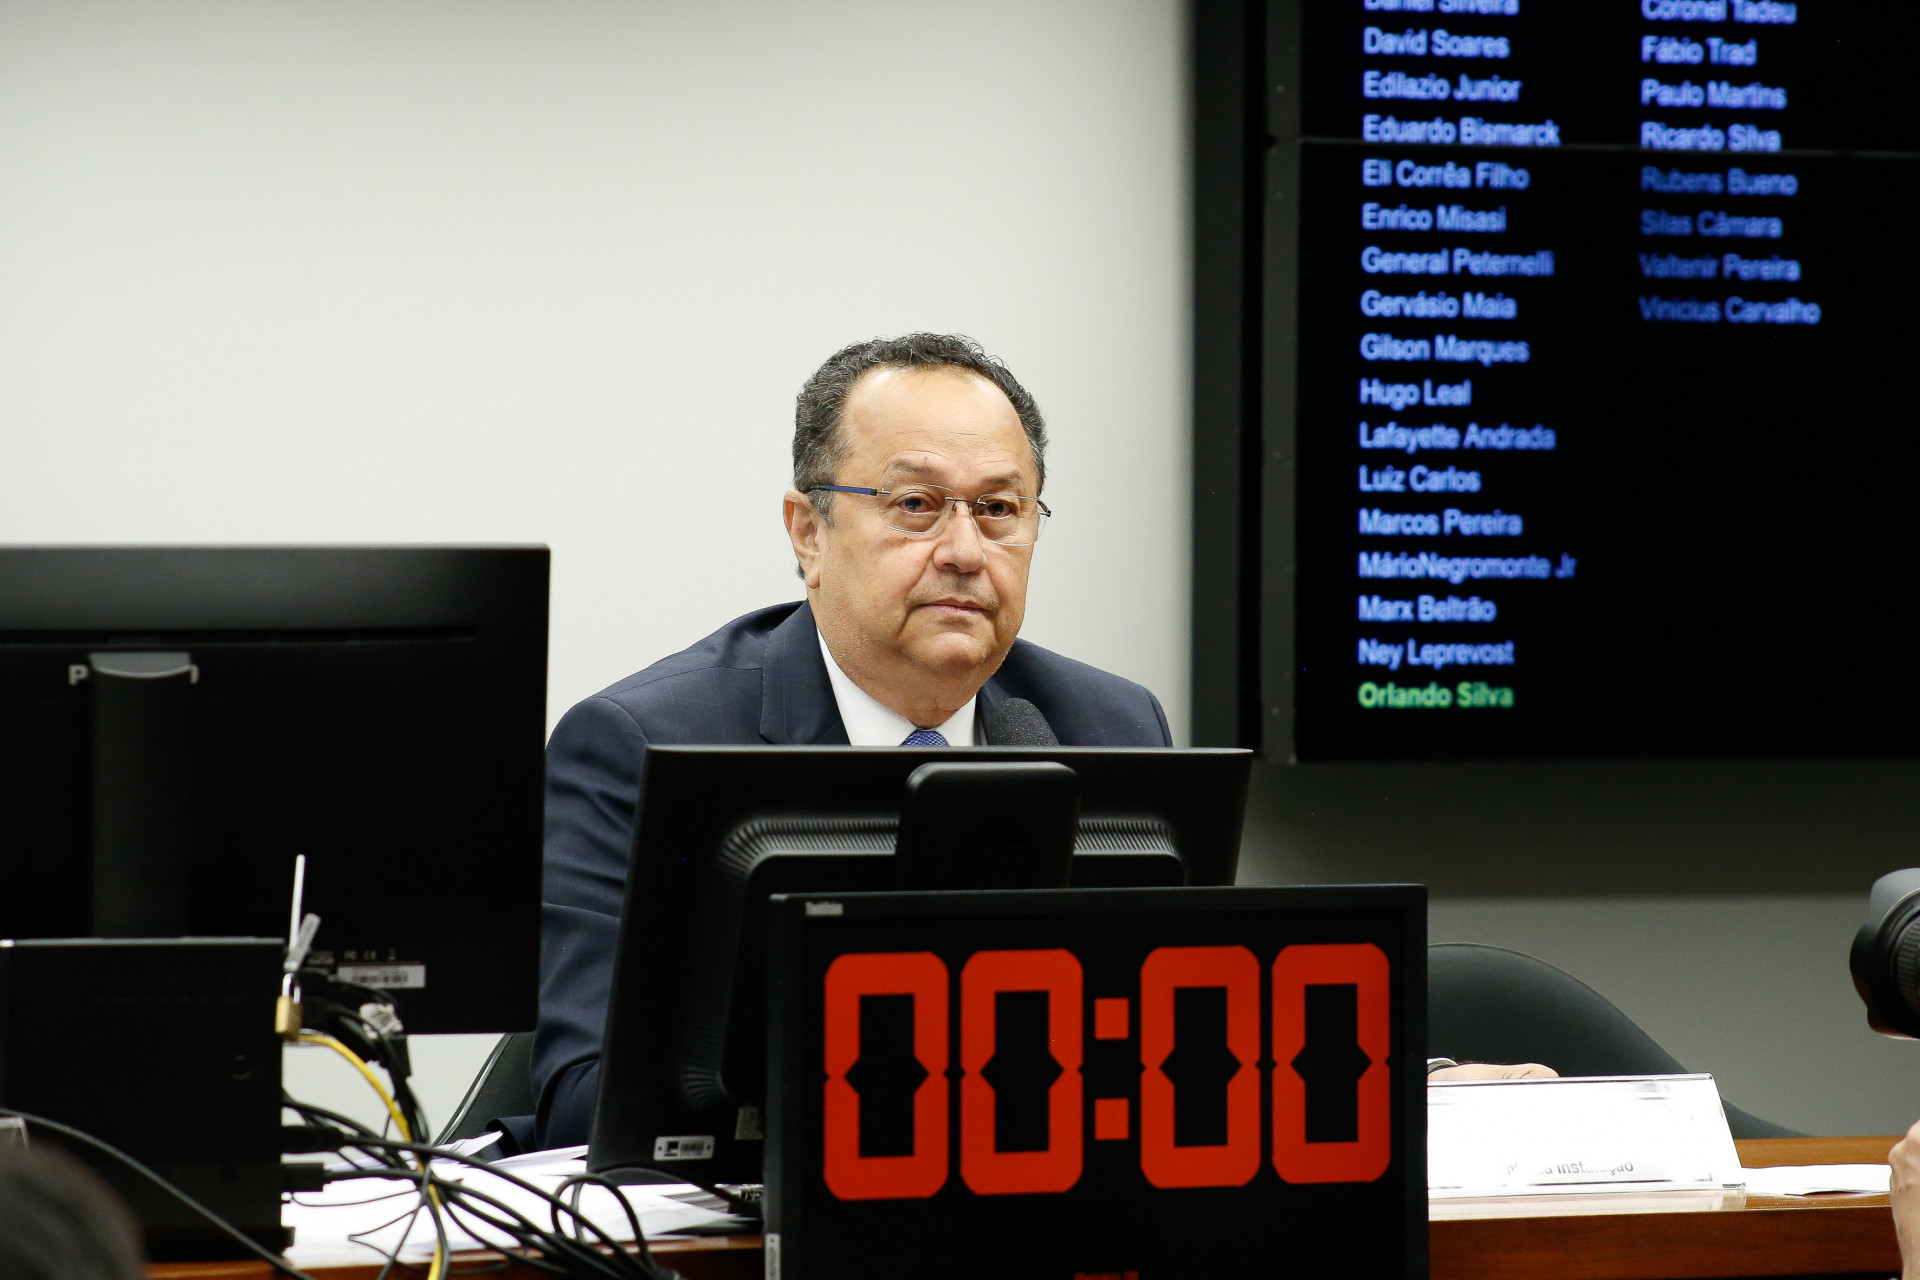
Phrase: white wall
(552, 271)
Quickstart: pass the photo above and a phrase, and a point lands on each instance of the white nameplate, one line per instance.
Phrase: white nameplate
(1578, 1134)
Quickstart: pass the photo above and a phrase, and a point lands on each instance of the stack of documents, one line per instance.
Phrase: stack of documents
(371, 1219)
(1578, 1134)
(1606, 1135)
(1818, 1179)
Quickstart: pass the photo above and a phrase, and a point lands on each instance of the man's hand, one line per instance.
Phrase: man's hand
(1905, 1159)
(1535, 1071)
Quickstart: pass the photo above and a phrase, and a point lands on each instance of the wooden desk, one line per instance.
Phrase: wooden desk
(1676, 1237)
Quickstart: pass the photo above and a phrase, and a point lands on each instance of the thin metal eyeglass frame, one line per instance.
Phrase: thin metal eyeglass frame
(951, 498)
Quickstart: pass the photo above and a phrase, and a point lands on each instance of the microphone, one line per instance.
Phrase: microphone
(1017, 723)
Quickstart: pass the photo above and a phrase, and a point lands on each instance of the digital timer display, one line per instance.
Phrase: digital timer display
(1097, 1083)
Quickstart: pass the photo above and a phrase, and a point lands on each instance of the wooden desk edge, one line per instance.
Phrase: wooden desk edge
(696, 1257)
(1764, 1236)
(1769, 1236)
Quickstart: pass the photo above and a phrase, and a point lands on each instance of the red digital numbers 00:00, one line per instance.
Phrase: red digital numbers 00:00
(988, 1171)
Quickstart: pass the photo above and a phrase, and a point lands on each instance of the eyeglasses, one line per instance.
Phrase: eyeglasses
(922, 509)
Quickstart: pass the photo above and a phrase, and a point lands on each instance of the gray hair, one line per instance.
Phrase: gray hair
(818, 444)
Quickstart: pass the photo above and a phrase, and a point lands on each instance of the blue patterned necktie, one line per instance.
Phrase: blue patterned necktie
(925, 738)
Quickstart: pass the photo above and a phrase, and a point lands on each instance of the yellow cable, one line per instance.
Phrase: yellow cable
(439, 1268)
(360, 1064)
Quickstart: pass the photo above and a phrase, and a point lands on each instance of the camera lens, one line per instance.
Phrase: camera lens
(1886, 955)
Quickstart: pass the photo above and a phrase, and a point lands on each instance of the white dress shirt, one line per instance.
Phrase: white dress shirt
(871, 723)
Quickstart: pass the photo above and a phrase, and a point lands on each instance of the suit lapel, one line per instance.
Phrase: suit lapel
(796, 698)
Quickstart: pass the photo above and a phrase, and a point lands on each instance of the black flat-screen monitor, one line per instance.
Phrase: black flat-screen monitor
(720, 829)
(177, 723)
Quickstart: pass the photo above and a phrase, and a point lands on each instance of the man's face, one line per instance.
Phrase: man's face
(948, 603)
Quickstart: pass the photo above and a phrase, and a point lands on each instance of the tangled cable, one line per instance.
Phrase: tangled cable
(571, 1244)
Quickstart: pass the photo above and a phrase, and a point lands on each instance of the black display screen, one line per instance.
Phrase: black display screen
(377, 710)
(1602, 442)
(1131, 1084)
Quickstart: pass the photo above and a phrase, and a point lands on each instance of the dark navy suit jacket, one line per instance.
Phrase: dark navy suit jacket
(760, 678)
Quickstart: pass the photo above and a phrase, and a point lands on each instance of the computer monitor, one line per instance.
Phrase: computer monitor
(177, 723)
(720, 829)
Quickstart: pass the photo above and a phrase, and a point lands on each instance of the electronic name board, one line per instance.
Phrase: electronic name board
(1604, 437)
(1129, 1084)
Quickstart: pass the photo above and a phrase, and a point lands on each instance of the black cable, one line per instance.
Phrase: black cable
(349, 1132)
(346, 1127)
(580, 1182)
(558, 1254)
(423, 1180)
(522, 1255)
(583, 1253)
(616, 1264)
(321, 989)
(333, 1204)
(739, 1204)
(573, 1259)
(273, 1259)
(392, 1255)
(292, 1103)
(581, 1256)
(369, 1042)
(391, 1167)
(584, 1180)
(742, 1206)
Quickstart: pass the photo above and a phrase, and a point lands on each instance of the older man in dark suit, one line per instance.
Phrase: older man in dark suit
(917, 469)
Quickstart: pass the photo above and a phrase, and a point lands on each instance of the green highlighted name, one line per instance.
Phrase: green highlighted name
(1468, 693)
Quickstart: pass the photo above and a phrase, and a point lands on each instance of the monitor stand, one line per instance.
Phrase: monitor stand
(987, 825)
(142, 793)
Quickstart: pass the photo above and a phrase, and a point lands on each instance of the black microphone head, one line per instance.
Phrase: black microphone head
(1017, 723)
